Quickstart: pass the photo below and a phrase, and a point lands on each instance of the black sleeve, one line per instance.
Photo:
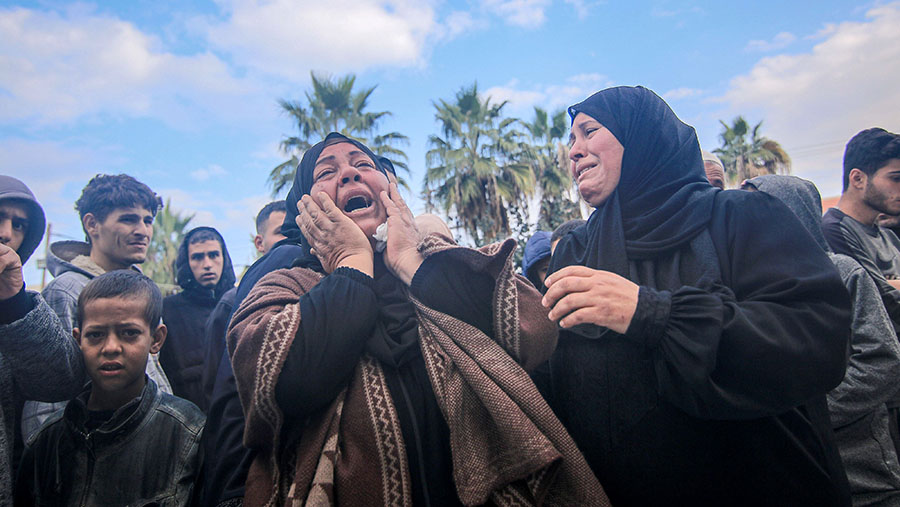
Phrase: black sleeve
(773, 338)
(16, 307)
(336, 319)
(453, 287)
(216, 326)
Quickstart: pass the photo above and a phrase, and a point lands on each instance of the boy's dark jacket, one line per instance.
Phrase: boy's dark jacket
(148, 453)
(185, 315)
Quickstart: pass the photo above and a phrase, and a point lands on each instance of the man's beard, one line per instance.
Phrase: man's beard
(877, 200)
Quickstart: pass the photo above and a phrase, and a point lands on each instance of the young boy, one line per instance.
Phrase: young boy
(121, 441)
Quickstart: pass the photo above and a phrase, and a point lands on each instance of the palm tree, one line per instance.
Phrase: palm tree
(168, 231)
(333, 106)
(747, 158)
(477, 167)
(550, 164)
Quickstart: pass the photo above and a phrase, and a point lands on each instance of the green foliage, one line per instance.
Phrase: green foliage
(550, 163)
(333, 106)
(477, 169)
(168, 231)
(747, 154)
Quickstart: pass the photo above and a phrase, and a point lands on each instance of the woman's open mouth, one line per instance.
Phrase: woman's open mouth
(358, 202)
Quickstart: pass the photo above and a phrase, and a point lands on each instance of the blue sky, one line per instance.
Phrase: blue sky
(183, 95)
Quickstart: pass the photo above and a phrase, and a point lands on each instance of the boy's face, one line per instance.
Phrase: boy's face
(271, 232)
(13, 223)
(123, 237)
(206, 262)
(115, 341)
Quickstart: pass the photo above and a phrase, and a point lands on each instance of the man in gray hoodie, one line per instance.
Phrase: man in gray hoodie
(39, 359)
(117, 214)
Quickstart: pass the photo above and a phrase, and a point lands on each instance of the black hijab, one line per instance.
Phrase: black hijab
(663, 199)
(303, 182)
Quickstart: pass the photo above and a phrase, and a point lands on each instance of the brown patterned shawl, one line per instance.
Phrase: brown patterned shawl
(507, 446)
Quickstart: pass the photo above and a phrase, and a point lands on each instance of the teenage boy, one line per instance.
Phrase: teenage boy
(116, 214)
(121, 441)
(38, 358)
(204, 272)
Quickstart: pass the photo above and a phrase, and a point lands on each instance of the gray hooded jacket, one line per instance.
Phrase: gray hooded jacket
(857, 406)
(38, 358)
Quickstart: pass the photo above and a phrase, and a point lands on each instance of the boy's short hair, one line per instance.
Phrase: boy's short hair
(267, 211)
(123, 283)
(107, 192)
(565, 228)
(204, 235)
(869, 151)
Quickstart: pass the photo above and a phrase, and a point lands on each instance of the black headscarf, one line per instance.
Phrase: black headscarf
(801, 196)
(303, 182)
(663, 199)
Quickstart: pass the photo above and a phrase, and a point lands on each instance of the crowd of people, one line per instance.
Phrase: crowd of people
(685, 345)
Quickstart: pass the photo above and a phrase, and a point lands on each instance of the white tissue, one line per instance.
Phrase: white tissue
(380, 237)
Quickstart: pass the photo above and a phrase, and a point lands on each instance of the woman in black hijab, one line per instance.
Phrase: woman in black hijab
(392, 376)
(701, 329)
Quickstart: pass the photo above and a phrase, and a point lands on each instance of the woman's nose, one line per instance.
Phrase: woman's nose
(349, 175)
(576, 151)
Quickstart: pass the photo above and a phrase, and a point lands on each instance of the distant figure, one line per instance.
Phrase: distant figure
(39, 360)
(116, 214)
(204, 272)
(121, 441)
(536, 259)
(715, 170)
(561, 231)
(268, 233)
(857, 406)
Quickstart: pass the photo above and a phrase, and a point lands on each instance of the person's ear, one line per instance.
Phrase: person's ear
(159, 337)
(90, 223)
(76, 333)
(258, 243)
(858, 179)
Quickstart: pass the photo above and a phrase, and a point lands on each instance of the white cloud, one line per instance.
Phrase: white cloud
(61, 67)
(547, 96)
(682, 93)
(524, 13)
(814, 102)
(287, 38)
(780, 41)
(208, 172)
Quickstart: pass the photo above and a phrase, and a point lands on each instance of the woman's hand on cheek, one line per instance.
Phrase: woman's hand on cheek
(580, 295)
(401, 255)
(334, 238)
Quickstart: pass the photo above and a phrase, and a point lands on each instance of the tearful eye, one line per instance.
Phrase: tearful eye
(357, 202)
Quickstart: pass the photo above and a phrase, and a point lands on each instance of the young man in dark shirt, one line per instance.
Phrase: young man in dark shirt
(871, 187)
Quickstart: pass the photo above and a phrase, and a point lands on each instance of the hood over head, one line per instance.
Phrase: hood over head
(303, 182)
(663, 199)
(536, 249)
(801, 196)
(185, 277)
(11, 188)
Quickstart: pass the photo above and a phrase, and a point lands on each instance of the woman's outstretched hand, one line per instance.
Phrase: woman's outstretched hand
(335, 239)
(401, 256)
(581, 295)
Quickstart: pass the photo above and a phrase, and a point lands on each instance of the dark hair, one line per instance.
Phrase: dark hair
(125, 284)
(204, 235)
(267, 210)
(565, 228)
(106, 193)
(869, 151)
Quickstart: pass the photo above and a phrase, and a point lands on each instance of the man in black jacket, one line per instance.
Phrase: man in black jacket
(204, 271)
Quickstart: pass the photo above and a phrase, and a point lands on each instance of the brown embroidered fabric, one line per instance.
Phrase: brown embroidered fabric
(507, 446)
